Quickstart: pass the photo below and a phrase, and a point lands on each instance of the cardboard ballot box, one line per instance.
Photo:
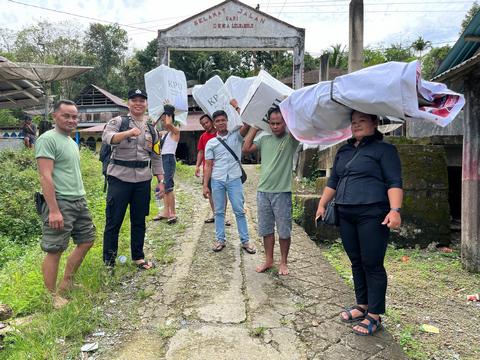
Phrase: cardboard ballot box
(166, 85)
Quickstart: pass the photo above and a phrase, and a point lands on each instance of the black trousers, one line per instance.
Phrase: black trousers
(120, 194)
(365, 241)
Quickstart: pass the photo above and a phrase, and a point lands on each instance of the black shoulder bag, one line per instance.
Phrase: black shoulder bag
(331, 213)
(244, 174)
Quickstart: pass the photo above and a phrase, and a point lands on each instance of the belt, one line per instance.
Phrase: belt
(130, 164)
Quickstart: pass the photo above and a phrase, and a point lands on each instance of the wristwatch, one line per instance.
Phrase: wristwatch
(395, 209)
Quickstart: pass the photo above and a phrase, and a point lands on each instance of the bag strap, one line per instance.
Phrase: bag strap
(164, 138)
(229, 149)
(153, 131)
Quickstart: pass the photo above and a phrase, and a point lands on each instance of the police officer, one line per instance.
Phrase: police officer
(129, 174)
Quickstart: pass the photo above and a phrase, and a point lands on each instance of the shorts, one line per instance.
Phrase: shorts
(274, 208)
(77, 222)
(169, 165)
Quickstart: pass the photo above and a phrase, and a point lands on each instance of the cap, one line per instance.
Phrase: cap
(137, 92)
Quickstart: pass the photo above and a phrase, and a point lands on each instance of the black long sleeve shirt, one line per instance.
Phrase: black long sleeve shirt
(376, 169)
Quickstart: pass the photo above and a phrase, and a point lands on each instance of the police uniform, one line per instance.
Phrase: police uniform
(129, 175)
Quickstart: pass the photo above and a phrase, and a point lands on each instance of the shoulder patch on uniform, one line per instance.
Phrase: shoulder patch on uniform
(113, 122)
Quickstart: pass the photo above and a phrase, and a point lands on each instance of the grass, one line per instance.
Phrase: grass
(167, 331)
(258, 331)
(21, 282)
(430, 281)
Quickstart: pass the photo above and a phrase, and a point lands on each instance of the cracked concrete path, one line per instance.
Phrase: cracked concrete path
(215, 306)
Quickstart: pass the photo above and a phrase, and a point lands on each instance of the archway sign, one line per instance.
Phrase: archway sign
(232, 25)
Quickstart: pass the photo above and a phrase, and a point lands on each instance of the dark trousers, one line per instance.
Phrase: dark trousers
(121, 194)
(365, 241)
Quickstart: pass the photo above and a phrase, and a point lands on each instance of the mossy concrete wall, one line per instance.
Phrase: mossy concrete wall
(425, 214)
(307, 204)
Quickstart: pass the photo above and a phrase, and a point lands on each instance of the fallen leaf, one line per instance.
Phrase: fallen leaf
(405, 259)
(89, 347)
(429, 329)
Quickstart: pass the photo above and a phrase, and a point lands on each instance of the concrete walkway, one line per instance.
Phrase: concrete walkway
(215, 306)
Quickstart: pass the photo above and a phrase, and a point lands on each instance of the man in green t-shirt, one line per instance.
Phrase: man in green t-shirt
(64, 209)
(274, 193)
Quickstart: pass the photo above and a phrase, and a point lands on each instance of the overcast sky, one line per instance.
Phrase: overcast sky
(326, 22)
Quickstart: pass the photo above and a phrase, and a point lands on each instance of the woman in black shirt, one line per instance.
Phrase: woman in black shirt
(366, 182)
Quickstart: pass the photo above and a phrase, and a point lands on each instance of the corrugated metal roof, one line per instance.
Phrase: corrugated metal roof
(459, 68)
(462, 50)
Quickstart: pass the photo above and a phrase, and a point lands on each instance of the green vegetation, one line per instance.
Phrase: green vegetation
(258, 331)
(57, 334)
(167, 331)
(297, 210)
(9, 118)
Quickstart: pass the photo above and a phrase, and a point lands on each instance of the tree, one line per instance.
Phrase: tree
(432, 60)
(398, 52)
(373, 57)
(469, 16)
(105, 47)
(420, 45)
(338, 56)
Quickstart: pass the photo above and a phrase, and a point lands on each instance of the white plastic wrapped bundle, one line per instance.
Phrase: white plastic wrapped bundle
(213, 96)
(320, 114)
(166, 85)
(313, 118)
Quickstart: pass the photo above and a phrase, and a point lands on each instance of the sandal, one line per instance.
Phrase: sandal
(145, 265)
(209, 220)
(350, 318)
(172, 220)
(159, 217)
(227, 223)
(218, 246)
(249, 248)
(371, 323)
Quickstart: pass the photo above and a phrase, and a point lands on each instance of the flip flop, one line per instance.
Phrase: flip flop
(218, 246)
(251, 249)
(228, 223)
(144, 263)
(172, 220)
(209, 220)
(159, 217)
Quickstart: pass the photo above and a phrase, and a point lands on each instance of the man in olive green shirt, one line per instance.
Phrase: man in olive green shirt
(274, 193)
(64, 209)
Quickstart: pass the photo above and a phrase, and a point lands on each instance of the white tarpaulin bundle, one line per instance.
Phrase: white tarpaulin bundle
(320, 114)
(166, 85)
(265, 92)
(213, 96)
(238, 87)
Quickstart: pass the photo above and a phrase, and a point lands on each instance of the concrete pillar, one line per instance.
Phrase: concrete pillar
(355, 38)
(298, 65)
(323, 73)
(163, 55)
(471, 176)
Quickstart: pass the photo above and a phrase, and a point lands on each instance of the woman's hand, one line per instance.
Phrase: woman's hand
(393, 220)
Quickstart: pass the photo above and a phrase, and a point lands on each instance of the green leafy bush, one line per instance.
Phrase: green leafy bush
(20, 224)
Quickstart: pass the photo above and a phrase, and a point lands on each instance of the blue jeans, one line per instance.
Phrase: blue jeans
(234, 189)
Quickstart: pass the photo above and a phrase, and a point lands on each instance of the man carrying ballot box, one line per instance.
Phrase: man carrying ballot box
(274, 193)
